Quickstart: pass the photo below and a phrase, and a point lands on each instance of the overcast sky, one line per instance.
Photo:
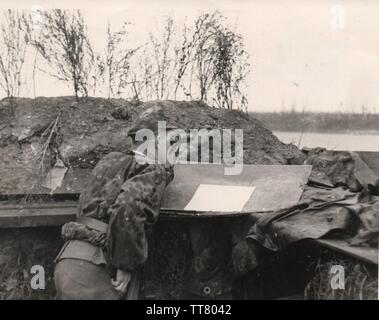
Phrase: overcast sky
(317, 56)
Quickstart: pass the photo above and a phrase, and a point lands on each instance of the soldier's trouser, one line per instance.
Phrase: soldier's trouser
(82, 280)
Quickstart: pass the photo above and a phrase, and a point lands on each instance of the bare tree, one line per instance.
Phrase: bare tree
(98, 69)
(184, 57)
(230, 68)
(208, 63)
(142, 75)
(203, 40)
(219, 64)
(117, 62)
(63, 42)
(13, 48)
(163, 61)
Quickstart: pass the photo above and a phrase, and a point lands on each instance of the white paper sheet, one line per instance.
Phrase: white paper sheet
(221, 198)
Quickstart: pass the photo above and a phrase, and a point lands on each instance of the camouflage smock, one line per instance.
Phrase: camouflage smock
(126, 195)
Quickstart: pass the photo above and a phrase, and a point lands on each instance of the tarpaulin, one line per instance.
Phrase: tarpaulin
(319, 212)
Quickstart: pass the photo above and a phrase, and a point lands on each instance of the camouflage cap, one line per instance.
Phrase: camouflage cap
(149, 119)
(151, 124)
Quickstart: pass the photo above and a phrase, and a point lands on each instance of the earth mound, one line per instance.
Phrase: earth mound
(36, 134)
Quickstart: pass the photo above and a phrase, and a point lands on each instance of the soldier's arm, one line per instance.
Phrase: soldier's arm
(136, 205)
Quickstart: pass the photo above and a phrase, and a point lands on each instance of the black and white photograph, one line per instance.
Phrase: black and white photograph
(195, 151)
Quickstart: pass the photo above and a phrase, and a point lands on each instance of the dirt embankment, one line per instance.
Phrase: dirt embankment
(35, 133)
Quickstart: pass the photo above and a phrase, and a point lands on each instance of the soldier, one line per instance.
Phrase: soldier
(108, 241)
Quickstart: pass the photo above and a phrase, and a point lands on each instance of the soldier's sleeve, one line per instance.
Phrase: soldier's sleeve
(137, 205)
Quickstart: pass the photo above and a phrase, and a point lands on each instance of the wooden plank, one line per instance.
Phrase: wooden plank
(366, 254)
(365, 175)
(276, 186)
(56, 214)
(371, 159)
(37, 215)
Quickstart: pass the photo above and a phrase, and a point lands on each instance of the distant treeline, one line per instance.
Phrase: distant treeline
(318, 122)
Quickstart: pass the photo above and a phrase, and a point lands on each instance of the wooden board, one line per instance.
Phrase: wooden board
(371, 159)
(33, 215)
(366, 254)
(277, 186)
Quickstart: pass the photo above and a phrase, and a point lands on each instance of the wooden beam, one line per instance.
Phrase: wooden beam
(367, 254)
(56, 214)
(37, 215)
(371, 159)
